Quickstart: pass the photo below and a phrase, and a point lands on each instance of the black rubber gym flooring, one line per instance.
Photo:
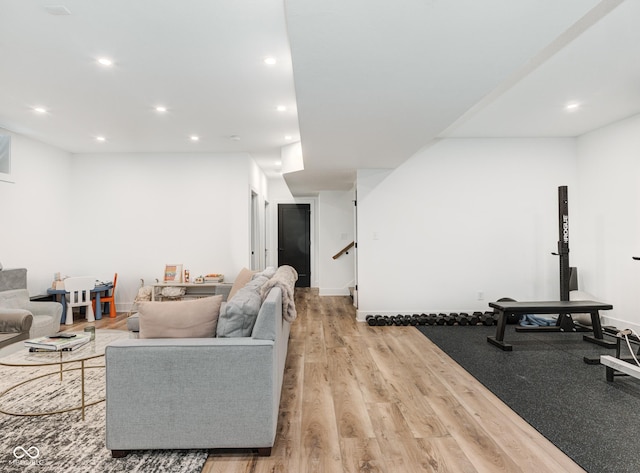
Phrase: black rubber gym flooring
(545, 380)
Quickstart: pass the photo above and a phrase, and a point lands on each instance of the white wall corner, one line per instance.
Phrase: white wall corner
(291, 157)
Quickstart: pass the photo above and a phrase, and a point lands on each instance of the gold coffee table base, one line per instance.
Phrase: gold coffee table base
(17, 355)
(61, 411)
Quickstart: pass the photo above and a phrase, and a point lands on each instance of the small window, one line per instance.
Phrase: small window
(5, 158)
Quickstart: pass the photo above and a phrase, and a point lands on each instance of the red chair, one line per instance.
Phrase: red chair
(111, 299)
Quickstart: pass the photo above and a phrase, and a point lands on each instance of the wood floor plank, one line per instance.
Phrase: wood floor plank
(350, 409)
(293, 379)
(360, 455)
(483, 451)
(372, 383)
(320, 445)
(392, 434)
(410, 391)
(446, 455)
(229, 463)
(334, 330)
(316, 348)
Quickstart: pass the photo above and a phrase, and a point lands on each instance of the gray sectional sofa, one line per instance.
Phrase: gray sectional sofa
(198, 393)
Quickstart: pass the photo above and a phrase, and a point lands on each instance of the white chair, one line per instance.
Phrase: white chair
(79, 295)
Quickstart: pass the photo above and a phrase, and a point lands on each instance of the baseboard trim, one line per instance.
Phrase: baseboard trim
(618, 323)
(330, 291)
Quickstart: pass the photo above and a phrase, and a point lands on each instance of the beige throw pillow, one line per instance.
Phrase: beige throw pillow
(241, 281)
(197, 318)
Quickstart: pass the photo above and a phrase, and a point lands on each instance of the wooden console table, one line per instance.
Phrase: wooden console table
(193, 290)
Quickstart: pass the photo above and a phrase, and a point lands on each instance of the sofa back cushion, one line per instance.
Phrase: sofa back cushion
(13, 279)
(242, 309)
(197, 318)
(14, 299)
(242, 279)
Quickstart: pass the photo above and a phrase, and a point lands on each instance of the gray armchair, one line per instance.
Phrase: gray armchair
(20, 318)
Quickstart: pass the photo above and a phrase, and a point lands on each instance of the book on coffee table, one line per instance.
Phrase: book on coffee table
(57, 344)
(51, 350)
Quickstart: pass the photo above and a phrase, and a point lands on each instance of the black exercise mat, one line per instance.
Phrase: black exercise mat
(545, 380)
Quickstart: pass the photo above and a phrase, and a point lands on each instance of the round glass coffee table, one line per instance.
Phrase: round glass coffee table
(18, 355)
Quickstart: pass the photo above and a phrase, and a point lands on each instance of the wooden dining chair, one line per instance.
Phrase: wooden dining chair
(111, 298)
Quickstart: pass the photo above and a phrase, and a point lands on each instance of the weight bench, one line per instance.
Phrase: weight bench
(563, 324)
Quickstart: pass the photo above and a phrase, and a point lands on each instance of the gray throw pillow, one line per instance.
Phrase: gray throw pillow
(241, 311)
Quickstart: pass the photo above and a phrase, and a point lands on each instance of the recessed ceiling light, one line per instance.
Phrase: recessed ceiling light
(194, 138)
(572, 106)
(270, 61)
(40, 109)
(288, 137)
(281, 108)
(161, 109)
(234, 137)
(105, 61)
(101, 138)
(278, 162)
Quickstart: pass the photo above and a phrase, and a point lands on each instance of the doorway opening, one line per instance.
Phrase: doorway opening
(294, 240)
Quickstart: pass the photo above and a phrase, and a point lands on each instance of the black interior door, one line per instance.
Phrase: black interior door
(294, 240)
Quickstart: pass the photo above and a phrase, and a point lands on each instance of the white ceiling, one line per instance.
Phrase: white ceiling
(201, 59)
(366, 83)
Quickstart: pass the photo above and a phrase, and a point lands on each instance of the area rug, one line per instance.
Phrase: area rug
(63, 442)
(545, 380)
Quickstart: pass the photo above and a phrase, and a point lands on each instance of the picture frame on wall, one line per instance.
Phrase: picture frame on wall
(173, 273)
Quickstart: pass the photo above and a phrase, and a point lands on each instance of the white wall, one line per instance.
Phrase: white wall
(336, 230)
(462, 217)
(278, 192)
(97, 214)
(138, 212)
(32, 211)
(609, 219)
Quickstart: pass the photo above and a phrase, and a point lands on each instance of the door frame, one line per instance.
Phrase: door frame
(355, 248)
(313, 237)
(255, 251)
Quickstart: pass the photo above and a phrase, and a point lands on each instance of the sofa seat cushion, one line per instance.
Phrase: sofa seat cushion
(196, 318)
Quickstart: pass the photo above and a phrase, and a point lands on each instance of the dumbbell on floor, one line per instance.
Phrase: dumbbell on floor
(486, 318)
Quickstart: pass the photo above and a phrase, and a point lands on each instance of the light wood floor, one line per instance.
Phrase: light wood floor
(383, 399)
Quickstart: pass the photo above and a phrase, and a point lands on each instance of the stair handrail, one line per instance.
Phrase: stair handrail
(344, 250)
